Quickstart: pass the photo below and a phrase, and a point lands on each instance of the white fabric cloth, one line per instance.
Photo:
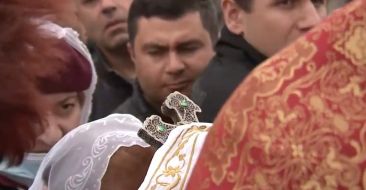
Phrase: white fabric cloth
(173, 163)
(80, 159)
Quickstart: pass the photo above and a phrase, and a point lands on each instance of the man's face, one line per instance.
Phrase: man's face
(273, 24)
(105, 21)
(170, 54)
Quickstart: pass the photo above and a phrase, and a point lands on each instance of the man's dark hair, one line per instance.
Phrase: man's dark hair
(246, 5)
(172, 10)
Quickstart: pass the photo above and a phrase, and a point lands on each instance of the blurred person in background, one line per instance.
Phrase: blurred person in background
(218, 11)
(105, 23)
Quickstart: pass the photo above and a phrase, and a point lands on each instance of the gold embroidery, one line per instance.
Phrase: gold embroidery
(271, 81)
(176, 163)
(353, 45)
(162, 160)
(306, 144)
(353, 87)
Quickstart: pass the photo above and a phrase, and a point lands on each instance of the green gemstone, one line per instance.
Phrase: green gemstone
(184, 103)
(161, 128)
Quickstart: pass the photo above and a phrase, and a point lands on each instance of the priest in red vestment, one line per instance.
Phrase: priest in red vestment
(299, 120)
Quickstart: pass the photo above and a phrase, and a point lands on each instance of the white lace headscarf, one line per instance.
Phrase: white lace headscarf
(80, 159)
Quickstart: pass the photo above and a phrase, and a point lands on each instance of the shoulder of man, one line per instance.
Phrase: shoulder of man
(137, 106)
(215, 85)
(126, 107)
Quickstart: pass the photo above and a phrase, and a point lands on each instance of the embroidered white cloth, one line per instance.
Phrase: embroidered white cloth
(173, 162)
(80, 159)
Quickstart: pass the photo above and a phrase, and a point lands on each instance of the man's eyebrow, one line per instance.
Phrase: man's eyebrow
(190, 43)
(153, 45)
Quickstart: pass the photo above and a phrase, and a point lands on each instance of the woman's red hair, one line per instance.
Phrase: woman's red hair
(26, 54)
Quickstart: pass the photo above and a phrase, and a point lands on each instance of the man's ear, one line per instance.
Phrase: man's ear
(131, 52)
(233, 16)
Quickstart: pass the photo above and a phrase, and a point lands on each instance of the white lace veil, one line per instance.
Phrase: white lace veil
(80, 159)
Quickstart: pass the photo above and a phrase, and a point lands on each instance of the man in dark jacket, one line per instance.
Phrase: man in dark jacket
(254, 30)
(105, 22)
(171, 42)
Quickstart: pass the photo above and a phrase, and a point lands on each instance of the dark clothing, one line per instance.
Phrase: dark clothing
(8, 188)
(111, 90)
(233, 61)
(8, 184)
(137, 105)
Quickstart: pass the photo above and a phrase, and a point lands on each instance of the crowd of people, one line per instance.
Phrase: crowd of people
(279, 87)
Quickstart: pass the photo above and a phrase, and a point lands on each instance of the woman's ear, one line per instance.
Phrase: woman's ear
(233, 16)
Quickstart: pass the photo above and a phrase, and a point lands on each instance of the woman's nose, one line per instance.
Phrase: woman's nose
(52, 133)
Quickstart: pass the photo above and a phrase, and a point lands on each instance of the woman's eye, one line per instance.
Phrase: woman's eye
(66, 109)
(68, 106)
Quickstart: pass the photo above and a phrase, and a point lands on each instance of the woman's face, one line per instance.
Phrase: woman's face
(64, 112)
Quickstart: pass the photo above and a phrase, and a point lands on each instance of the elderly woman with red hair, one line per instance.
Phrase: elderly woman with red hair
(47, 79)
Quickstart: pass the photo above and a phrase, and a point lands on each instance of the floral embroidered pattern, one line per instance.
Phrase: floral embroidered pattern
(177, 162)
(299, 121)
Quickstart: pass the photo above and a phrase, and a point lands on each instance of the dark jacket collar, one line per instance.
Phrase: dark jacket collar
(101, 62)
(139, 101)
(143, 108)
(235, 47)
(104, 71)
